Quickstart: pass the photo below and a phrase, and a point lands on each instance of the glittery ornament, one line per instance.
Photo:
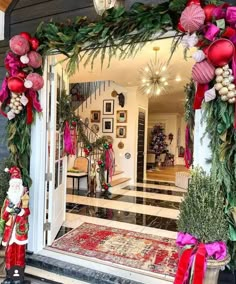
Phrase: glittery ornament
(192, 18)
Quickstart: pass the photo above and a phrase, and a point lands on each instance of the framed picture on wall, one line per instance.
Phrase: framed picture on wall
(107, 125)
(121, 132)
(121, 116)
(95, 116)
(108, 107)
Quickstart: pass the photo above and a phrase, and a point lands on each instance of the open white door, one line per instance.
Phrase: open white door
(56, 162)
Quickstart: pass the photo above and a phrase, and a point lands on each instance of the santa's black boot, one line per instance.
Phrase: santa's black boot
(7, 280)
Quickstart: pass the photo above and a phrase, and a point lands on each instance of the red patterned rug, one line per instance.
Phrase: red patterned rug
(133, 249)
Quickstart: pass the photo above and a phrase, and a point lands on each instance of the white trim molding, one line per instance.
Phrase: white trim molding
(2, 25)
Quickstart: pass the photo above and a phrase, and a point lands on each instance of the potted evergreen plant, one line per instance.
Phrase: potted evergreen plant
(203, 232)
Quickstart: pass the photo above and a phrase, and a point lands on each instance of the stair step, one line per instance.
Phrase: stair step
(119, 181)
(116, 173)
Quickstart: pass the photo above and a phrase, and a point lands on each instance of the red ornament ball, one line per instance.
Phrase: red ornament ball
(195, 2)
(37, 81)
(16, 85)
(26, 35)
(221, 52)
(203, 72)
(34, 43)
(208, 10)
(19, 45)
(35, 59)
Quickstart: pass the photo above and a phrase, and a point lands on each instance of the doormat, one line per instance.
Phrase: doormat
(128, 248)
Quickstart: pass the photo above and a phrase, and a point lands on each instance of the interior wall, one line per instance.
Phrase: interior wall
(132, 102)
(173, 123)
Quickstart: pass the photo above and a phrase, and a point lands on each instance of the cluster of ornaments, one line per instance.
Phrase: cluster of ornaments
(21, 63)
(213, 60)
(16, 105)
(225, 84)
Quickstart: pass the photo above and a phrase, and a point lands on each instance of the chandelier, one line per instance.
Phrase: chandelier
(154, 77)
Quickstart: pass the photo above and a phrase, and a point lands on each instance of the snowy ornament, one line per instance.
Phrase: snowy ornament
(24, 59)
(199, 56)
(28, 84)
(189, 41)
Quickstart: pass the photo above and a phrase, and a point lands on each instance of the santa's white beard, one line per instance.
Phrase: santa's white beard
(15, 195)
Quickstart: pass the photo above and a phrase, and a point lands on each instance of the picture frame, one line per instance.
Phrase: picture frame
(121, 116)
(108, 107)
(107, 125)
(121, 131)
(95, 116)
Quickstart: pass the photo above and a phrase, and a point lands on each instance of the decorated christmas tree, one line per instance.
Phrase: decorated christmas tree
(158, 142)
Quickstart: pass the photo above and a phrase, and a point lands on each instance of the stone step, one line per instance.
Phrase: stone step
(119, 181)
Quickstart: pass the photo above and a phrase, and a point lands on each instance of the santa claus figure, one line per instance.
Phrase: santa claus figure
(15, 213)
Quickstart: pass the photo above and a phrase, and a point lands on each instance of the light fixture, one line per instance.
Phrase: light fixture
(154, 77)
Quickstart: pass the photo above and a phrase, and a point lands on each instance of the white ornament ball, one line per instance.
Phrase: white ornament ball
(226, 67)
(16, 103)
(231, 87)
(230, 71)
(226, 74)
(11, 105)
(231, 94)
(17, 111)
(231, 78)
(232, 101)
(20, 107)
(199, 56)
(219, 79)
(219, 71)
(24, 59)
(224, 98)
(218, 86)
(223, 91)
(18, 99)
(14, 107)
(14, 95)
(12, 100)
(225, 82)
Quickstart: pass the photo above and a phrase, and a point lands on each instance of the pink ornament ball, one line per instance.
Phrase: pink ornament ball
(203, 72)
(19, 45)
(192, 18)
(37, 81)
(35, 59)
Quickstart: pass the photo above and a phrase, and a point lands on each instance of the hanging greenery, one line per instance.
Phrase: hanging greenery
(119, 30)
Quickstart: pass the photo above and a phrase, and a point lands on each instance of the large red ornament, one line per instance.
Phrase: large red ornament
(25, 35)
(19, 45)
(195, 2)
(16, 85)
(208, 10)
(203, 72)
(34, 42)
(221, 52)
(35, 59)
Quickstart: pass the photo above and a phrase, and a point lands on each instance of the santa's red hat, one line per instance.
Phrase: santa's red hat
(14, 171)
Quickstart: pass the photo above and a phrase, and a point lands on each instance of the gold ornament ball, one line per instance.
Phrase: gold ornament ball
(225, 82)
(231, 87)
(231, 94)
(232, 101)
(218, 86)
(224, 98)
(219, 71)
(223, 91)
(219, 79)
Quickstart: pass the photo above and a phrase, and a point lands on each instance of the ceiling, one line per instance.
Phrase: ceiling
(4, 4)
(126, 73)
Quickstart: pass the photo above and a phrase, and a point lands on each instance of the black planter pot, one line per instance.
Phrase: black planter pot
(227, 277)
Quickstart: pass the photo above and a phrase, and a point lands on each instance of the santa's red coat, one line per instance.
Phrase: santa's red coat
(19, 233)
